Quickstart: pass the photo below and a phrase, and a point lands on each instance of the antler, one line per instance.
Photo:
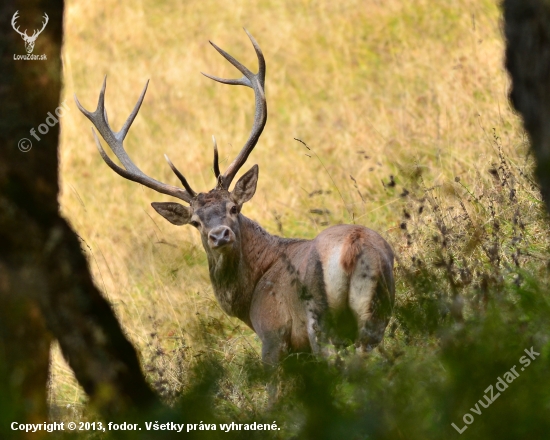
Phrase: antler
(257, 83)
(115, 140)
(35, 34)
(16, 29)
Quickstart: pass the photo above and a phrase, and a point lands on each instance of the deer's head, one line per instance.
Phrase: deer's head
(215, 213)
(29, 41)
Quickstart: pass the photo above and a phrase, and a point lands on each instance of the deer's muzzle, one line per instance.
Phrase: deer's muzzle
(220, 236)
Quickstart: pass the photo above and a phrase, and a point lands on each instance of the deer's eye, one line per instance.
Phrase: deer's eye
(234, 209)
(194, 223)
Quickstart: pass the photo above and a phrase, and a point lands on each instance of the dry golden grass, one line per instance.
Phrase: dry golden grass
(375, 88)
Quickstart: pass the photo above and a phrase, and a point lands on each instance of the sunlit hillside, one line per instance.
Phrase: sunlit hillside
(384, 93)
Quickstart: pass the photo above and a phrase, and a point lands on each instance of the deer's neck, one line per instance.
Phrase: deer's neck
(234, 274)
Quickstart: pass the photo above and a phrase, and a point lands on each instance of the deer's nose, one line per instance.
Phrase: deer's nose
(220, 236)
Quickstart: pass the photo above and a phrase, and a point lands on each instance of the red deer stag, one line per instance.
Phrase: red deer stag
(295, 294)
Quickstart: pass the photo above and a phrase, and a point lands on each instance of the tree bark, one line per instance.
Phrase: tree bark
(46, 290)
(527, 32)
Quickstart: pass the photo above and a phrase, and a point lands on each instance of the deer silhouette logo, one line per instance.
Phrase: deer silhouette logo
(29, 41)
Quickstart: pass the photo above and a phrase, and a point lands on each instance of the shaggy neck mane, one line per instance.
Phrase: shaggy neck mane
(234, 274)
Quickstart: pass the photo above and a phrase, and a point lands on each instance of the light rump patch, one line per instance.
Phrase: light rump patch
(336, 280)
(353, 246)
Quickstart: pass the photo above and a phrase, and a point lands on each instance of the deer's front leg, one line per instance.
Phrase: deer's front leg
(274, 347)
(271, 322)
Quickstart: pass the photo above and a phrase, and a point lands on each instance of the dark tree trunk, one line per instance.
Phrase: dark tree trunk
(46, 290)
(527, 31)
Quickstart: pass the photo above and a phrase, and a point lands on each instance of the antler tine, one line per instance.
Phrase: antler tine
(244, 81)
(115, 142)
(13, 24)
(216, 162)
(183, 180)
(257, 83)
(260, 56)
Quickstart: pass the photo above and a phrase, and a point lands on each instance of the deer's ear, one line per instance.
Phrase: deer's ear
(246, 186)
(173, 212)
